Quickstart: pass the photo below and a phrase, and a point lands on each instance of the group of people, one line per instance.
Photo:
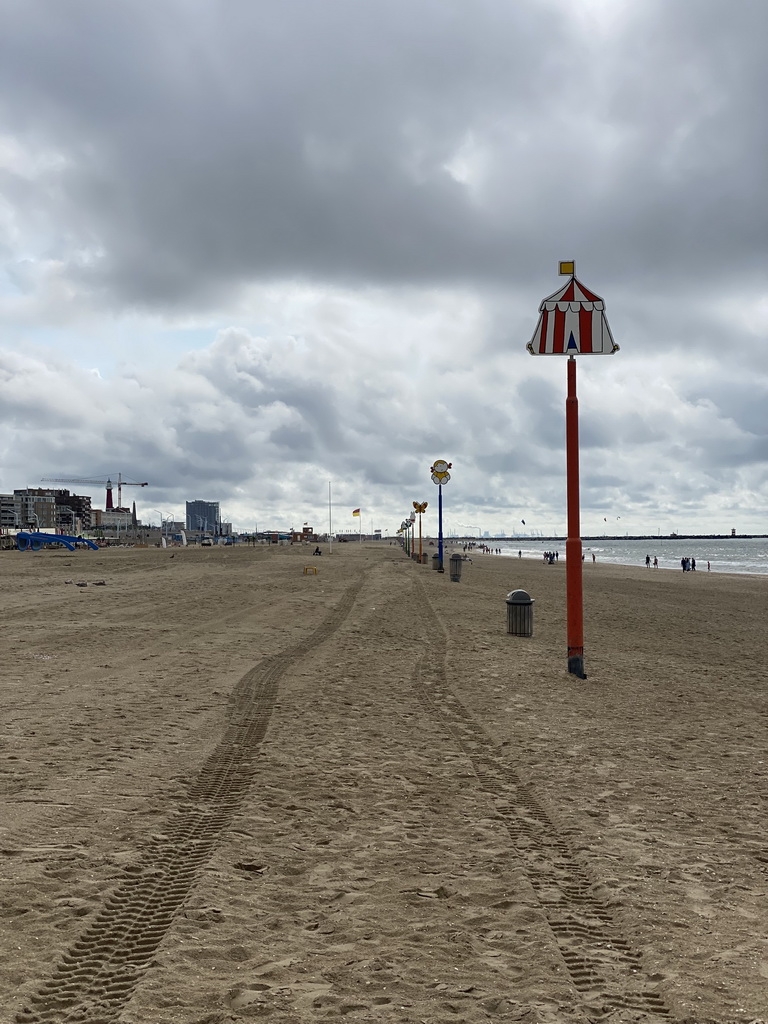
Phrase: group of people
(551, 557)
(686, 564)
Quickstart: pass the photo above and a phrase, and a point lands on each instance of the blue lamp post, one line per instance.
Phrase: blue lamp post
(440, 476)
(404, 529)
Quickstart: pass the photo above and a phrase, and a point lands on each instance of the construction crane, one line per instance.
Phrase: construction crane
(98, 483)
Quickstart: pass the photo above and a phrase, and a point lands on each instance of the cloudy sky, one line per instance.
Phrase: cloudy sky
(251, 247)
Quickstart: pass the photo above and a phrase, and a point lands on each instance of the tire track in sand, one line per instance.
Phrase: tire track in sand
(603, 967)
(97, 975)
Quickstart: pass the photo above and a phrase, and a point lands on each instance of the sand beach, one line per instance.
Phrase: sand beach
(233, 789)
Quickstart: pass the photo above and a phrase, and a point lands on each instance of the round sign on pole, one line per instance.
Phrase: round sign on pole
(440, 475)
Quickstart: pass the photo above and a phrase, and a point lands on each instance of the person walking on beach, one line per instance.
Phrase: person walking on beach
(693, 565)
(647, 561)
(655, 562)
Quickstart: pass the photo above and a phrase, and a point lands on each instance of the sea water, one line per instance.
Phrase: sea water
(725, 554)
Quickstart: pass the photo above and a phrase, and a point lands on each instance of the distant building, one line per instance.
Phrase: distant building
(307, 534)
(39, 508)
(203, 516)
(34, 508)
(73, 511)
(119, 518)
(8, 517)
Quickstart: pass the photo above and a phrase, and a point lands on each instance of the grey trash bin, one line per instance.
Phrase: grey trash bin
(455, 568)
(435, 561)
(519, 613)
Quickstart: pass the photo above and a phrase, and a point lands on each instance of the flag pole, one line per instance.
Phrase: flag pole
(330, 522)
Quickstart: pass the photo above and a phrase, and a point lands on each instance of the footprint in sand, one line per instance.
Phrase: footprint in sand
(253, 993)
(246, 995)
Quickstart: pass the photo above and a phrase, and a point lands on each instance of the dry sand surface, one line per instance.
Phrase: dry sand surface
(233, 790)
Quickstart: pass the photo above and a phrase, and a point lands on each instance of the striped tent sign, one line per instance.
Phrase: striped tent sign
(572, 322)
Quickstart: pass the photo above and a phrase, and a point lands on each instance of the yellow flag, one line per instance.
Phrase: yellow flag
(568, 268)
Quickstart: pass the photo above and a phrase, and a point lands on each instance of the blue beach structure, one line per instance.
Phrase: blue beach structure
(34, 541)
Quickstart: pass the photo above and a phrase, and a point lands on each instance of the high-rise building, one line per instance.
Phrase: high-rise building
(73, 511)
(40, 508)
(34, 508)
(203, 516)
(9, 518)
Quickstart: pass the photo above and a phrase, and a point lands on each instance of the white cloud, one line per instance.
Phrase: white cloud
(248, 251)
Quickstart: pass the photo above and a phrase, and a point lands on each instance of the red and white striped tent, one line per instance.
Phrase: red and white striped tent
(572, 322)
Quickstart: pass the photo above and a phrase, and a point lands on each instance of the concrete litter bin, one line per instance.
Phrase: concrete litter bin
(435, 561)
(455, 568)
(519, 613)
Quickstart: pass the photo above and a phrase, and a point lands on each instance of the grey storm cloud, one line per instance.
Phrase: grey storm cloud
(183, 148)
(246, 248)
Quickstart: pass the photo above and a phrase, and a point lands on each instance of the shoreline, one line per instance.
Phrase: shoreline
(607, 554)
(714, 571)
(606, 537)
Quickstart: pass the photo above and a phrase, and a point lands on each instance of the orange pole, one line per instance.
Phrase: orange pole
(573, 557)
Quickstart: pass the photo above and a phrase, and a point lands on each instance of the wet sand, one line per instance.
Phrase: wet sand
(232, 789)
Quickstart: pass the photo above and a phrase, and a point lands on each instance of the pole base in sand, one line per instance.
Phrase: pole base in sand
(576, 665)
